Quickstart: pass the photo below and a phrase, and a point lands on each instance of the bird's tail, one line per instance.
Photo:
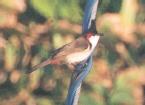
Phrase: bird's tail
(34, 68)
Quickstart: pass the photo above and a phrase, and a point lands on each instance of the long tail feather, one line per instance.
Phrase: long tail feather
(43, 64)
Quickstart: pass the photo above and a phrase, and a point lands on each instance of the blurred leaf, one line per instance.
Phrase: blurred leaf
(58, 40)
(128, 11)
(34, 80)
(10, 57)
(7, 19)
(99, 89)
(13, 5)
(121, 97)
(58, 9)
(44, 101)
(15, 76)
(46, 7)
(85, 99)
(121, 94)
(3, 77)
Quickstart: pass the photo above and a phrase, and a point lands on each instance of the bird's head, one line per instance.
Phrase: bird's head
(92, 34)
(92, 37)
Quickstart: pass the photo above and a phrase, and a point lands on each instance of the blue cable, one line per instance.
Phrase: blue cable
(82, 69)
(77, 77)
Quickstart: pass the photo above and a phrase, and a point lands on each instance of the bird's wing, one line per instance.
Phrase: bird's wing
(78, 45)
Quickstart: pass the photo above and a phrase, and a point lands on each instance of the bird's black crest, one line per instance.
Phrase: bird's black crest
(93, 27)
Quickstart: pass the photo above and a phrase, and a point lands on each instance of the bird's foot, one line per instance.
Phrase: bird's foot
(84, 65)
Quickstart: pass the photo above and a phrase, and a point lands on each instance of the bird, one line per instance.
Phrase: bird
(74, 52)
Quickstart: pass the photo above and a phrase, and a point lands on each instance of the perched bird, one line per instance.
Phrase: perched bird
(75, 52)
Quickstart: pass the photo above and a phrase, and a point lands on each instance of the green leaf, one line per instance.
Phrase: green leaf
(87, 100)
(58, 9)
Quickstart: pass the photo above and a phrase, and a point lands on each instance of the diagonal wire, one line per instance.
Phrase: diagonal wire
(76, 81)
(90, 14)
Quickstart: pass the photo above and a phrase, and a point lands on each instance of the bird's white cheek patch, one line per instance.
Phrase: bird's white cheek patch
(94, 40)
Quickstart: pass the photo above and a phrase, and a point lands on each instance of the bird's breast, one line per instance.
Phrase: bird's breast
(78, 56)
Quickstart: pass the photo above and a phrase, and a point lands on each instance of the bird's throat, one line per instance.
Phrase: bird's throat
(93, 41)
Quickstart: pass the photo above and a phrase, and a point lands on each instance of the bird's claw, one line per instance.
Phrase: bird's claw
(84, 65)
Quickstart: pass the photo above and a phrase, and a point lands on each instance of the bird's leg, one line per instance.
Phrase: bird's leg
(84, 64)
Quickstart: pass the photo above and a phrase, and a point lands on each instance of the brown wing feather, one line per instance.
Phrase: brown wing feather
(78, 45)
(59, 55)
